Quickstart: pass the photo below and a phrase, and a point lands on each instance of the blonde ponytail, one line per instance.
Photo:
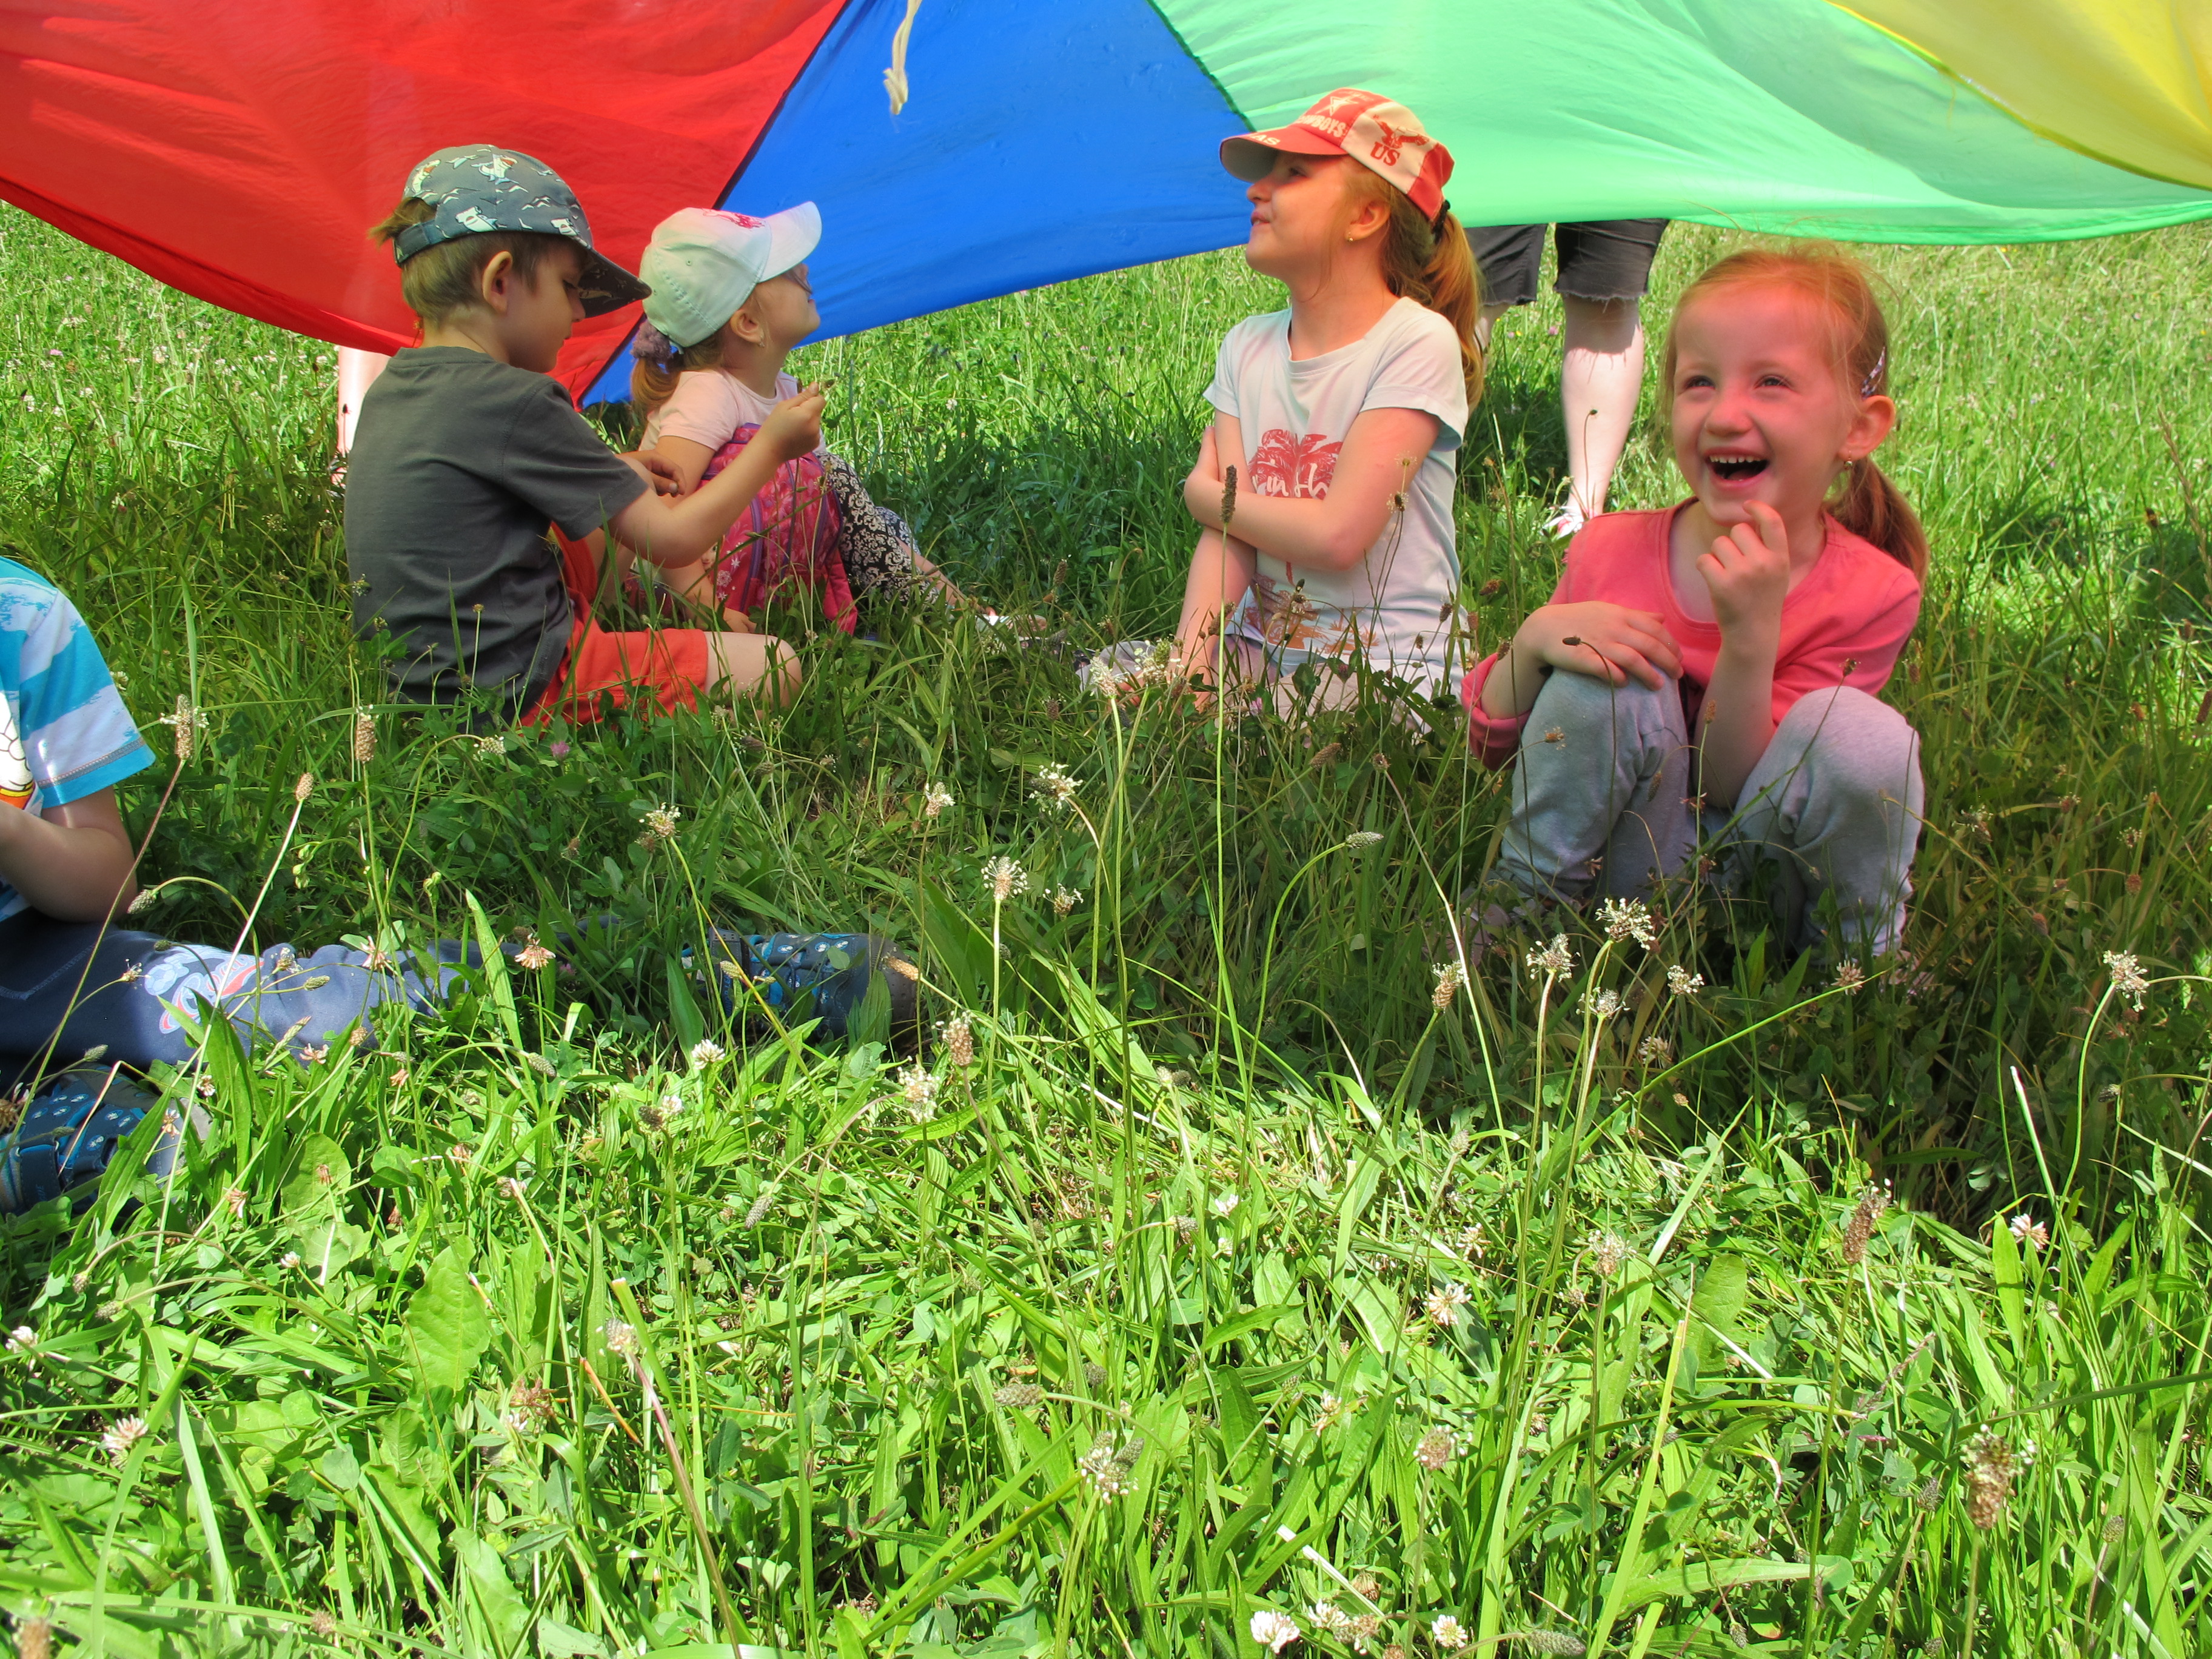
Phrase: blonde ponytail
(660, 363)
(1428, 261)
(1872, 508)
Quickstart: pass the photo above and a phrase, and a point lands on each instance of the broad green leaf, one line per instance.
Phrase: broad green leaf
(321, 1175)
(446, 1320)
(496, 1598)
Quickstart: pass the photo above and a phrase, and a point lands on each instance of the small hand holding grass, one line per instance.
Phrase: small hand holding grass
(1748, 573)
(794, 427)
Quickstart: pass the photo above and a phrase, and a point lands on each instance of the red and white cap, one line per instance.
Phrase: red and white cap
(1382, 137)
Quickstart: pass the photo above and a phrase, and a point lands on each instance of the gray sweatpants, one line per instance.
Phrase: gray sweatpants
(1601, 805)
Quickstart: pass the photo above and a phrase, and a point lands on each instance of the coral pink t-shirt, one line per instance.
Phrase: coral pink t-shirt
(1843, 624)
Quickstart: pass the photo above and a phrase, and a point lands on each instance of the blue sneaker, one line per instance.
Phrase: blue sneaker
(824, 977)
(69, 1132)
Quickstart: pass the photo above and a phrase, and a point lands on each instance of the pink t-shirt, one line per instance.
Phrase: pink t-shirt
(1843, 624)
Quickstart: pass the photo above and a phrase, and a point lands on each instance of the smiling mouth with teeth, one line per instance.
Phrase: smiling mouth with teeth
(1736, 468)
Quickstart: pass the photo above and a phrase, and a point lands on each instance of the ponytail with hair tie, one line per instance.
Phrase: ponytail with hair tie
(652, 346)
(660, 364)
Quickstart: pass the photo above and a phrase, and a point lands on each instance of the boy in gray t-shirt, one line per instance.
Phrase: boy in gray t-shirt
(467, 454)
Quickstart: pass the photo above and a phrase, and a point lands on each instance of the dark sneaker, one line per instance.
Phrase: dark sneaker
(824, 977)
(69, 1132)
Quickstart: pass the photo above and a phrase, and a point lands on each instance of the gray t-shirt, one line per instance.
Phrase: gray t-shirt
(457, 463)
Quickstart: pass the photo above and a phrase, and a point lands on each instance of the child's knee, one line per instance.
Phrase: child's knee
(1856, 744)
(781, 676)
(1571, 703)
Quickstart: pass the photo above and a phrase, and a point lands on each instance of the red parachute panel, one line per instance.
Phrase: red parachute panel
(248, 147)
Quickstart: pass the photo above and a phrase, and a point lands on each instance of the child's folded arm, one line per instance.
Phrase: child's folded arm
(71, 862)
(1494, 739)
(1380, 454)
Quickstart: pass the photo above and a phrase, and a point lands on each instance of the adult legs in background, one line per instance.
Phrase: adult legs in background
(1601, 378)
(1834, 806)
(1605, 266)
(1598, 791)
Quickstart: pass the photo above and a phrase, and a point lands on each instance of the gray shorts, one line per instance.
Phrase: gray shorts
(1601, 259)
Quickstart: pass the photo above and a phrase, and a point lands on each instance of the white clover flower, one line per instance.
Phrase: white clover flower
(1054, 787)
(1554, 961)
(22, 1339)
(1329, 1617)
(1448, 1634)
(918, 1093)
(1445, 1302)
(2034, 1234)
(1684, 983)
(2127, 975)
(1628, 919)
(121, 1436)
(705, 1052)
(1272, 1630)
(1110, 1467)
(1850, 978)
(1225, 1205)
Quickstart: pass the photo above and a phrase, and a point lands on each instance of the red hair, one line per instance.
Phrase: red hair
(1870, 505)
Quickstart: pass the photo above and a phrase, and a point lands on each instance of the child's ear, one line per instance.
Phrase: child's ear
(495, 282)
(746, 326)
(1876, 419)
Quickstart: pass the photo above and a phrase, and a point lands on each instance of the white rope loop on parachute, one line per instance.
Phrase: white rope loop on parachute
(894, 77)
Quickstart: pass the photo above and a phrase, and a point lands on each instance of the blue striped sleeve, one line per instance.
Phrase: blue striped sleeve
(78, 737)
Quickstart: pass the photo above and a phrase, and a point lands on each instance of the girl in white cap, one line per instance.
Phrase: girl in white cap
(1332, 544)
(730, 302)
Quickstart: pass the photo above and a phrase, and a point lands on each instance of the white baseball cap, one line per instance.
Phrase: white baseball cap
(704, 264)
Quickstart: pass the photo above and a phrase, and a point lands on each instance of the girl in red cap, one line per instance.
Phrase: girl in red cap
(1332, 545)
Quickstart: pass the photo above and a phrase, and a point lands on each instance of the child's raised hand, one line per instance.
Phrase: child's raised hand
(1604, 641)
(1748, 573)
(794, 427)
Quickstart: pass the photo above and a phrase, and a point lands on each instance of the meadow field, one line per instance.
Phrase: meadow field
(1215, 1266)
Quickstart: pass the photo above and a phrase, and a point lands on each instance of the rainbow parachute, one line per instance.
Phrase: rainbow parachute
(961, 149)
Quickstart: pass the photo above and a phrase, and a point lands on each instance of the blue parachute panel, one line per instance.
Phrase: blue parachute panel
(1040, 143)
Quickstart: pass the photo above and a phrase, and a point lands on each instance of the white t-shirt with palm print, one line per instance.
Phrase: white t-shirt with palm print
(1394, 606)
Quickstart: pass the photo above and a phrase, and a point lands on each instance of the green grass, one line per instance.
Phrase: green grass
(873, 1344)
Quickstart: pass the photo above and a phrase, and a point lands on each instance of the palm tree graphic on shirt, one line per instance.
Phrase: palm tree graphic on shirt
(1287, 465)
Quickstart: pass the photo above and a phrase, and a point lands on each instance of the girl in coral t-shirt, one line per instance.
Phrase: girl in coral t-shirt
(1340, 414)
(1713, 669)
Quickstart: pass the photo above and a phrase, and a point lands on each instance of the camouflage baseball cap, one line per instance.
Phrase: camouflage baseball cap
(481, 187)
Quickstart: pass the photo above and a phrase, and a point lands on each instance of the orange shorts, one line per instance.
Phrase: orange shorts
(667, 665)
